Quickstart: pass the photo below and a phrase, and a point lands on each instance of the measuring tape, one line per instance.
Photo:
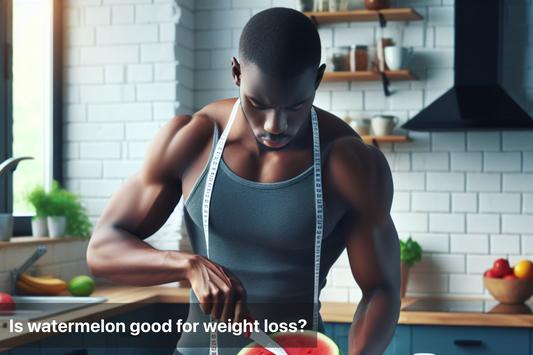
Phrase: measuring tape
(213, 168)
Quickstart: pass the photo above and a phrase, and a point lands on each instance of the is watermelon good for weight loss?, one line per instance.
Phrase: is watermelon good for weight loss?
(307, 342)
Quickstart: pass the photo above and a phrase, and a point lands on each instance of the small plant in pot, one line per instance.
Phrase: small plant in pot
(38, 198)
(64, 214)
(411, 252)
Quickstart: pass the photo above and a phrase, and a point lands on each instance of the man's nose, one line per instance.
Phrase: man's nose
(276, 123)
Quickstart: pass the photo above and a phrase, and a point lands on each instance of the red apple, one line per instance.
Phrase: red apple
(510, 276)
(490, 273)
(7, 303)
(502, 268)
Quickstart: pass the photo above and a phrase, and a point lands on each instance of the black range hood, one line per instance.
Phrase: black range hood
(477, 102)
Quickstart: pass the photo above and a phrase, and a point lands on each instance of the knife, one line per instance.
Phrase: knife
(264, 340)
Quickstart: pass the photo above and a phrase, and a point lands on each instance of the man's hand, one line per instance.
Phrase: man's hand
(218, 290)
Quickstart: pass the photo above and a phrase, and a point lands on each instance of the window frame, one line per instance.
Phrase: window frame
(22, 225)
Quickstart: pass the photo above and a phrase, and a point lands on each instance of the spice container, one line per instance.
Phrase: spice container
(359, 58)
(341, 59)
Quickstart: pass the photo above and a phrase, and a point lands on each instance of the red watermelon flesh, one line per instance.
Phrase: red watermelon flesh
(307, 342)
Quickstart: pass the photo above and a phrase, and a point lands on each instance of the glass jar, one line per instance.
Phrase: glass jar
(341, 59)
(361, 126)
(321, 5)
(359, 58)
(304, 5)
(338, 5)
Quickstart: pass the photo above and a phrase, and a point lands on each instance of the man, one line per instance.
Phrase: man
(262, 215)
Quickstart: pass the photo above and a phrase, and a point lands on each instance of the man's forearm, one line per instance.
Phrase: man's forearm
(121, 257)
(374, 323)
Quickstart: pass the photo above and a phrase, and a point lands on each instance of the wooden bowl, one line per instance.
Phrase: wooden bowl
(512, 291)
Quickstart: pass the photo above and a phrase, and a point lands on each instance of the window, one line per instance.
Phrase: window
(31, 98)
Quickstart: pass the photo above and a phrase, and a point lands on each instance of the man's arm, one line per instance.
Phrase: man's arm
(141, 206)
(372, 243)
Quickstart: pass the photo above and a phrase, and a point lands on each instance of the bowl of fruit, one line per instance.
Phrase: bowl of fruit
(511, 285)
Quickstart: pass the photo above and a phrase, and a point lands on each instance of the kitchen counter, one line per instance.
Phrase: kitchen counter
(123, 299)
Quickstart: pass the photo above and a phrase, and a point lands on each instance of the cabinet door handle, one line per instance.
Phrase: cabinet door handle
(467, 342)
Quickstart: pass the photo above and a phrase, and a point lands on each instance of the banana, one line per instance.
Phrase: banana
(30, 290)
(51, 285)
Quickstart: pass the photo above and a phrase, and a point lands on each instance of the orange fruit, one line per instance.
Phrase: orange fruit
(524, 269)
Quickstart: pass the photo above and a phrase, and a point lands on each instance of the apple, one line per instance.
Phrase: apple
(502, 268)
(510, 276)
(490, 273)
(7, 303)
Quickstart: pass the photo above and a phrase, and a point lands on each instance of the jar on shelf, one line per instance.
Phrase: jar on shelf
(322, 5)
(304, 5)
(341, 58)
(338, 5)
(359, 58)
(361, 126)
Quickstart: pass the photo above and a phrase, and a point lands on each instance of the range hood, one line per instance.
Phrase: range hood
(477, 101)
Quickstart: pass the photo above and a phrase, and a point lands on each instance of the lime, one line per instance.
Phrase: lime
(81, 286)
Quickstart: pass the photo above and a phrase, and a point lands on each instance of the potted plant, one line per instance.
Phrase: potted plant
(64, 214)
(38, 199)
(411, 252)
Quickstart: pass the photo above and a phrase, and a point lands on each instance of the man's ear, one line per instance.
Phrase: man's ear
(320, 75)
(236, 71)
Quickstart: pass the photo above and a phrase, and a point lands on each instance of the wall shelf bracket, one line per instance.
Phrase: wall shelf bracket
(382, 21)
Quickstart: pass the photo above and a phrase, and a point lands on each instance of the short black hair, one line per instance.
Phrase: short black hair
(282, 42)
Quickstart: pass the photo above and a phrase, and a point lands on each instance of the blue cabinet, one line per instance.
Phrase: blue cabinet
(401, 341)
(399, 345)
(466, 340)
(445, 340)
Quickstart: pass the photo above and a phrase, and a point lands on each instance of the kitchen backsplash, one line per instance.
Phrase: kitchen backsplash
(466, 197)
(61, 260)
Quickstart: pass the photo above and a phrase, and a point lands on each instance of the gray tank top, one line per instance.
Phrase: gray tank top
(264, 233)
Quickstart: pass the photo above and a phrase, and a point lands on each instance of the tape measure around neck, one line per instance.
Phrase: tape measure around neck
(213, 168)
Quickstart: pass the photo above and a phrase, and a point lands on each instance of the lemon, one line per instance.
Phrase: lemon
(81, 286)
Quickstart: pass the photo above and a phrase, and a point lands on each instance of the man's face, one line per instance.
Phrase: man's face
(276, 110)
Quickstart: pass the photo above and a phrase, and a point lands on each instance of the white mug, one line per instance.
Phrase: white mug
(383, 125)
(397, 57)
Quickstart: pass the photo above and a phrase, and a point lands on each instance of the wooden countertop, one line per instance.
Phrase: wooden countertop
(123, 299)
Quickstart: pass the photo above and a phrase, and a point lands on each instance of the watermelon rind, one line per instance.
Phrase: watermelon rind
(255, 349)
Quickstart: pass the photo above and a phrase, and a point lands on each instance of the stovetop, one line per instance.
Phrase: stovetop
(468, 306)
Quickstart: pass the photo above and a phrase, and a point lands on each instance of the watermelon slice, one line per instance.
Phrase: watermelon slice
(307, 342)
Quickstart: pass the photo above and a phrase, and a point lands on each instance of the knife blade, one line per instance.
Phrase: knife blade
(266, 342)
(263, 339)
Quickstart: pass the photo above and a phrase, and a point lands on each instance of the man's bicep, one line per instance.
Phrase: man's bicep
(144, 202)
(140, 207)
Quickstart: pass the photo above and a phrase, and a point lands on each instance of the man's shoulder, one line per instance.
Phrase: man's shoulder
(178, 144)
(350, 156)
(335, 131)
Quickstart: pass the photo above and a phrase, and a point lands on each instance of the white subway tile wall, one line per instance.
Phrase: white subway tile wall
(466, 197)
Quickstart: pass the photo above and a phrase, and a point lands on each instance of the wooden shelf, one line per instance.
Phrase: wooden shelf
(364, 15)
(32, 241)
(386, 139)
(368, 75)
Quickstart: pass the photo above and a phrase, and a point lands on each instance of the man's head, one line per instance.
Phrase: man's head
(282, 42)
(278, 75)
